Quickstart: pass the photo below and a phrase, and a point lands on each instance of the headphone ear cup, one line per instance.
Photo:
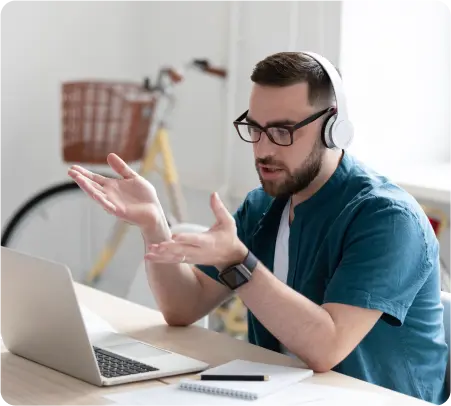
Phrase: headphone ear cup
(326, 132)
(341, 134)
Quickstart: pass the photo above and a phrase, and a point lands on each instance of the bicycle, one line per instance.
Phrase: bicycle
(147, 138)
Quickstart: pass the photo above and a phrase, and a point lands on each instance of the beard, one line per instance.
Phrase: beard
(297, 181)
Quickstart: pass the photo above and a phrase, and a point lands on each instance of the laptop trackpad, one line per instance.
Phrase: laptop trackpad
(136, 350)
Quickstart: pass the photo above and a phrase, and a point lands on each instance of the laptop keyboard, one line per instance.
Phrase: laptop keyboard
(113, 365)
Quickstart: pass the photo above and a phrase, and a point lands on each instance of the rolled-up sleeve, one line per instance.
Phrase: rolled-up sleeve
(385, 262)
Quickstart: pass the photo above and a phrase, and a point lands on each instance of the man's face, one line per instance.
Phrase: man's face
(286, 170)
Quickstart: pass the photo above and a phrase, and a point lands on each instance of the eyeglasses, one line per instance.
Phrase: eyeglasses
(280, 134)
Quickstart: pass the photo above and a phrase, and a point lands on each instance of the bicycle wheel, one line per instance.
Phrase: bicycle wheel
(62, 224)
(55, 224)
(14, 224)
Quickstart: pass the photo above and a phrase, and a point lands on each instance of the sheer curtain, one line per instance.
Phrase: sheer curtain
(395, 61)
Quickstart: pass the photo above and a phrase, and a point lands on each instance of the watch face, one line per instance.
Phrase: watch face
(233, 278)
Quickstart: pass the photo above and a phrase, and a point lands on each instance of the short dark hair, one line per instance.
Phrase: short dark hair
(288, 68)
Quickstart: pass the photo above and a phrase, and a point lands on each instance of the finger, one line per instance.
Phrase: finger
(165, 253)
(165, 259)
(220, 211)
(197, 240)
(171, 249)
(81, 178)
(87, 186)
(171, 258)
(101, 180)
(104, 202)
(120, 167)
(90, 189)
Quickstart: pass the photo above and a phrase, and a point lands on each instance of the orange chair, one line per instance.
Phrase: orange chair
(439, 221)
(437, 218)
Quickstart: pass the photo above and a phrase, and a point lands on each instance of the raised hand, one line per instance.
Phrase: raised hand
(129, 197)
(218, 246)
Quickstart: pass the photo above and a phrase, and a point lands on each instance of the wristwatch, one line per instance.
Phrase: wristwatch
(239, 274)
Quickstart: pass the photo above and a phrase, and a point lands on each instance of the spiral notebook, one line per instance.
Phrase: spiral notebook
(280, 377)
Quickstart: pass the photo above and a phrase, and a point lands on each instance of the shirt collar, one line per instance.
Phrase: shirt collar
(328, 190)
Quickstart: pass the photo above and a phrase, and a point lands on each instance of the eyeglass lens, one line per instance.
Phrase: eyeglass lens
(252, 133)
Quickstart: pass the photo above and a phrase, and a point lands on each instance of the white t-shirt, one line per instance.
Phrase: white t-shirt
(281, 255)
(281, 259)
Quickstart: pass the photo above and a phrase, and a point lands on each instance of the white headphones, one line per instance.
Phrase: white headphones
(338, 130)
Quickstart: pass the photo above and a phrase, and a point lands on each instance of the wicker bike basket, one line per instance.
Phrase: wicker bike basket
(99, 118)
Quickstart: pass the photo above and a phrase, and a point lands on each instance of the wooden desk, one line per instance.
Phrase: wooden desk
(25, 382)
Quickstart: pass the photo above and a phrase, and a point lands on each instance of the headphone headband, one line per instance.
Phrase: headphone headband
(342, 110)
(338, 131)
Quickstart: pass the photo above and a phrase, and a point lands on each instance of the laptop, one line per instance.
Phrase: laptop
(41, 321)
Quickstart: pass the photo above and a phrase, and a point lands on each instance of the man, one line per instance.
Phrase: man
(337, 265)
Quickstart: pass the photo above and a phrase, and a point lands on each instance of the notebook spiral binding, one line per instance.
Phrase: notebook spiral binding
(219, 391)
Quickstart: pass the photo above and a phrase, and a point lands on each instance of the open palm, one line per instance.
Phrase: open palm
(130, 197)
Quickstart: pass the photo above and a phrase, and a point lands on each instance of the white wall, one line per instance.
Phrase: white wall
(396, 66)
(176, 33)
(43, 44)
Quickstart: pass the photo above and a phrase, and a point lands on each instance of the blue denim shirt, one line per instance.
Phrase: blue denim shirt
(362, 241)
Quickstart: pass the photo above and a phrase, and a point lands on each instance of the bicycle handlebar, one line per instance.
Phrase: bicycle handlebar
(204, 65)
(176, 77)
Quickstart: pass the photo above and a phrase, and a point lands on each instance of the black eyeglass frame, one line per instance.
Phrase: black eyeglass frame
(290, 128)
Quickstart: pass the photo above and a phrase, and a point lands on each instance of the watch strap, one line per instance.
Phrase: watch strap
(250, 262)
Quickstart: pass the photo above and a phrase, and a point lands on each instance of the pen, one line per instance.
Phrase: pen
(232, 377)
